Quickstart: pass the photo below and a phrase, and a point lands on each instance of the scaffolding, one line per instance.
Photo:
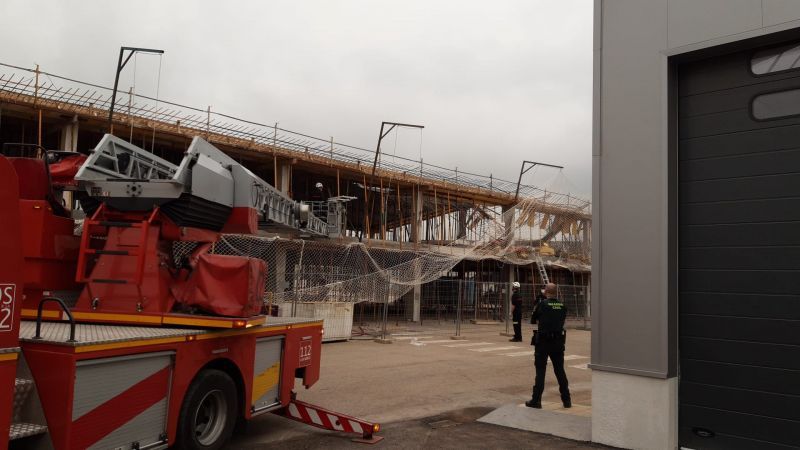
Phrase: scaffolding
(43, 89)
(409, 222)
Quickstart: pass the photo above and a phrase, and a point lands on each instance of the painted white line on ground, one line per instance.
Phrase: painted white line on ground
(468, 345)
(528, 353)
(584, 366)
(415, 333)
(492, 349)
(571, 357)
(441, 341)
(408, 338)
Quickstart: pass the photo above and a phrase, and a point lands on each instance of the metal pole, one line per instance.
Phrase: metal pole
(297, 278)
(396, 310)
(382, 135)
(458, 307)
(378, 148)
(275, 157)
(478, 289)
(121, 65)
(36, 87)
(36, 101)
(208, 122)
(421, 302)
(523, 170)
(130, 118)
(385, 314)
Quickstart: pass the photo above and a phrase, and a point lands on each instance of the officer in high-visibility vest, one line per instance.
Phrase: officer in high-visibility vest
(549, 342)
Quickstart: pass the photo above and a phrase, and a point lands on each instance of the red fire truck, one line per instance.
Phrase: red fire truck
(109, 339)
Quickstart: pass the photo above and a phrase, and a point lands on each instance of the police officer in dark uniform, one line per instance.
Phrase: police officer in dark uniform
(516, 313)
(549, 342)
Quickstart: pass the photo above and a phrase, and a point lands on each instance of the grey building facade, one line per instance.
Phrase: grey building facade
(696, 200)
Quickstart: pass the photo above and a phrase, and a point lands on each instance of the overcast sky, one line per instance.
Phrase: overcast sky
(493, 82)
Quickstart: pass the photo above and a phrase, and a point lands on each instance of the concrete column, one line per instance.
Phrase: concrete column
(69, 136)
(462, 224)
(416, 222)
(284, 173)
(413, 298)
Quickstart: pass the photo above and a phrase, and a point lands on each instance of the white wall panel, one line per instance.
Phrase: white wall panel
(692, 21)
(780, 11)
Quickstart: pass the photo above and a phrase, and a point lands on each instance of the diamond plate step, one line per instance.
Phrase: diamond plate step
(20, 430)
(22, 388)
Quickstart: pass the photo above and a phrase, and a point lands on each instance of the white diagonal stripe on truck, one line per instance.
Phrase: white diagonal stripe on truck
(312, 413)
(335, 423)
(356, 427)
(294, 412)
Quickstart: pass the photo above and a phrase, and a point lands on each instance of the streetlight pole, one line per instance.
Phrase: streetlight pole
(382, 135)
(524, 169)
(121, 65)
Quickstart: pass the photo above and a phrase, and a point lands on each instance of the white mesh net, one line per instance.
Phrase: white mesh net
(535, 231)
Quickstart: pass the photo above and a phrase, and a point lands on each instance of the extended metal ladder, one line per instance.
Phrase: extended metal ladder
(199, 192)
(542, 271)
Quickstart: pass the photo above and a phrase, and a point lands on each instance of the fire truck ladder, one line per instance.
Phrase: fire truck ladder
(199, 192)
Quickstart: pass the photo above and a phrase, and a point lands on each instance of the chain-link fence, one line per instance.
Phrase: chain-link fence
(345, 283)
(454, 301)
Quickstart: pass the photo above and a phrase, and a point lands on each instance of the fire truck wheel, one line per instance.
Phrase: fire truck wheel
(208, 413)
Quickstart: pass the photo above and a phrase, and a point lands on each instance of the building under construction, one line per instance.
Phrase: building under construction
(409, 225)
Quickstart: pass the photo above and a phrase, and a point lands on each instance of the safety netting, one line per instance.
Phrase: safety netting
(330, 270)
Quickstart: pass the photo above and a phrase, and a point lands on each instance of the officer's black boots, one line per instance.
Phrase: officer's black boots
(533, 404)
(535, 401)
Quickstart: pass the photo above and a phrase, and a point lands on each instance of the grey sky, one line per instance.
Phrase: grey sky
(493, 82)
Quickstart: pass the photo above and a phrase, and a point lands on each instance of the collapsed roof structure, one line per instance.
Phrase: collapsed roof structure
(408, 222)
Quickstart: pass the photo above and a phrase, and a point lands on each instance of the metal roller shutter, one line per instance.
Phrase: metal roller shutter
(739, 255)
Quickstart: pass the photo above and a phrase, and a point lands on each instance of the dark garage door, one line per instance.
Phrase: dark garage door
(739, 250)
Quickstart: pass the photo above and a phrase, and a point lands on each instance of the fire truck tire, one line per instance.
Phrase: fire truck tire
(208, 414)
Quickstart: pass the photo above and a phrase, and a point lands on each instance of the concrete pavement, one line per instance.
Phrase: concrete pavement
(424, 374)
(453, 430)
